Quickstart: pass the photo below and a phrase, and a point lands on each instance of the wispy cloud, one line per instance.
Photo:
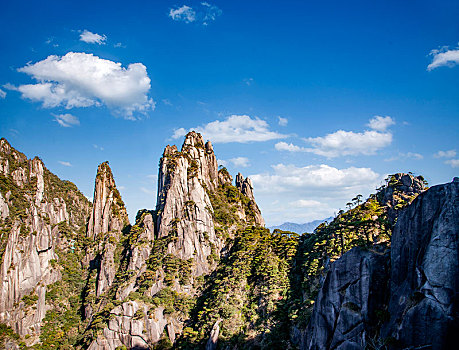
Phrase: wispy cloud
(248, 81)
(66, 120)
(64, 163)
(408, 155)
(82, 80)
(444, 57)
(446, 154)
(147, 191)
(92, 38)
(242, 162)
(282, 121)
(235, 128)
(453, 162)
(2, 93)
(98, 147)
(203, 14)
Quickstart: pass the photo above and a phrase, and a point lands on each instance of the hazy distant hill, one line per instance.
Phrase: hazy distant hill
(300, 228)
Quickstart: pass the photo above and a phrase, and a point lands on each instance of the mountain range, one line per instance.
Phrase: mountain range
(200, 270)
(300, 228)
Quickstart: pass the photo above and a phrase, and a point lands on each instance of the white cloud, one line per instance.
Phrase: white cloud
(446, 154)
(83, 80)
(66, 120)
(203, 14)
(379, 123)
(453, 162)
(240, 162)
(235, 128)
(2, 94)
(290, 178)
(344, 143)
(222, 162)
(282, 121)
(444, 57)
(92, 38)
(290, 147)
(305, 203)
(184, 13)
(68, 164)
(310, 192)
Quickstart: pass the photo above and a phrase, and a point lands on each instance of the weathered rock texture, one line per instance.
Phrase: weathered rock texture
(33, 204)
(414, 306)
(184, 209)
(424, 281)
(246, 188)
(346, 307)
(108, 219)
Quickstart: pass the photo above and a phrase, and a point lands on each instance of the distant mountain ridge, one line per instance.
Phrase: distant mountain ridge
(300, 228)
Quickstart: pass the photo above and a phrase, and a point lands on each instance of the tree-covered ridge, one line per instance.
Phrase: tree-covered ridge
(245, 292)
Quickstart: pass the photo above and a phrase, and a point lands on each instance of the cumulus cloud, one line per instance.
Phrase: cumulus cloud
(203, 14)
(310, 192)
(68, 164)
(379, 123)
(92, 38)
(446, 154)
(290, 178)
(235, 128)
(453, 162)
(66, 120)
(82, 80)
(344, 143)
(2, 94)
(282, 121)
(444, 57)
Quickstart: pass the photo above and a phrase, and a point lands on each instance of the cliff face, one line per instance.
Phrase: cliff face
(405, 299)
(424, 280)
(184, 209)
(35, 207)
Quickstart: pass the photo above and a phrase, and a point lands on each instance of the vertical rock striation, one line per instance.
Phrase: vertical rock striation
(108, 219)
(184, 209)
(424, 280)
(34, 204)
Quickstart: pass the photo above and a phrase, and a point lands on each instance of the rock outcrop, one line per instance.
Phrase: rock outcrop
(246, 188)
(424, 280)
(405, 301)
(346, 309)
(184, 209)
(35, 205)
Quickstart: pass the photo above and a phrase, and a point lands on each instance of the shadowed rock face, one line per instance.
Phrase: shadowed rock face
(420, 292)
(424, 282)
(346, 307)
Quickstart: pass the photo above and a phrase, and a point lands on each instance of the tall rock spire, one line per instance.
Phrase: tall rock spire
(107, 220)
(246, 188)
(109, 212)
(183, 208)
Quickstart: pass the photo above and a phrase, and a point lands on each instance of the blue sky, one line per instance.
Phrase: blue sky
(315, 101)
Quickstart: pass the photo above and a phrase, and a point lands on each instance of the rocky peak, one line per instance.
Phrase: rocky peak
(109, 212)
(246, 188)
